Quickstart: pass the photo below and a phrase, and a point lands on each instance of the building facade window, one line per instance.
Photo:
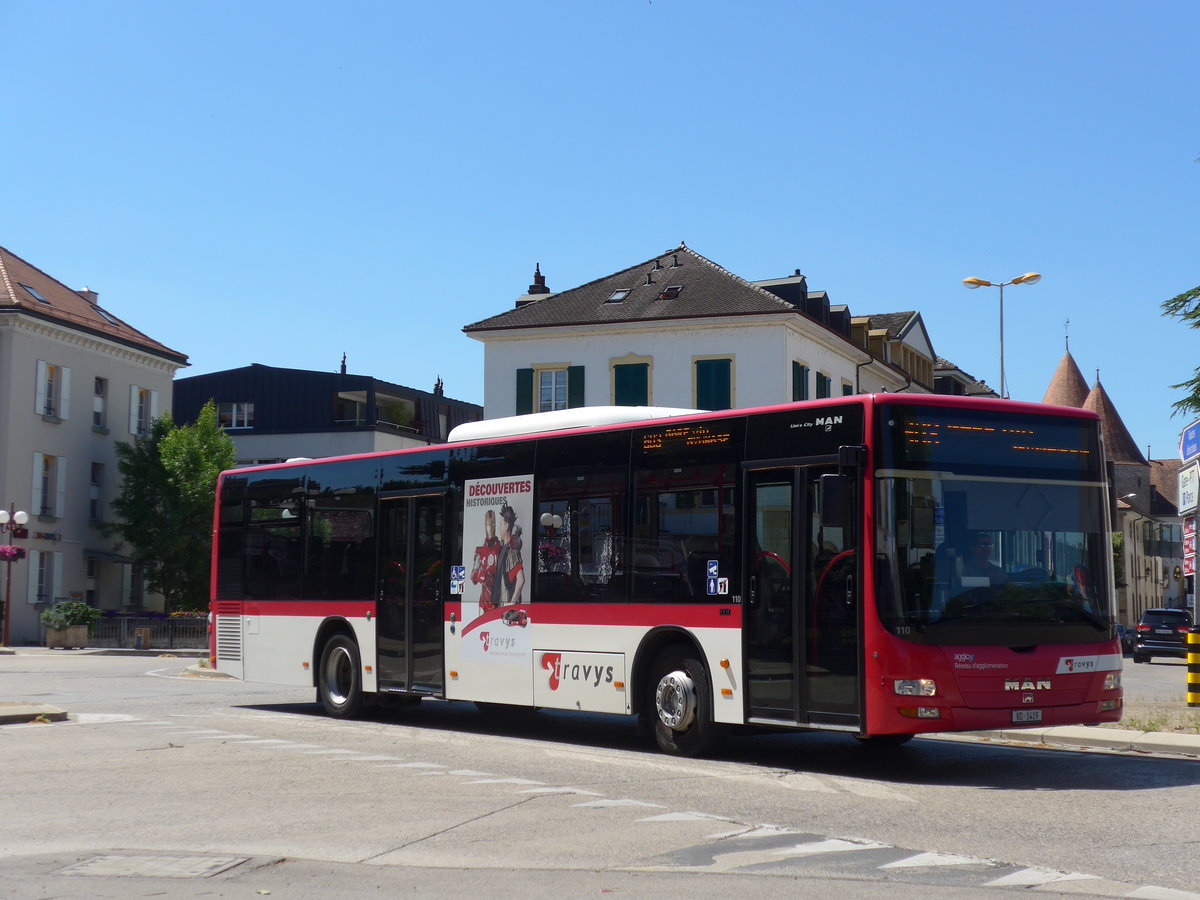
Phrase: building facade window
(235, 415)
(100, 404)
(45, 575)
(799, 381)
(552, 389)
(53, 390)
(631, 381)
(847, 389)
(95, 509)
(49, 484)
(143, 409)
(549, 387)
(713, 383)
(824, 385)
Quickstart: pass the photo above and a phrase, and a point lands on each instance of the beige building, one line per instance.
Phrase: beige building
(74, 380)
(1149, 552)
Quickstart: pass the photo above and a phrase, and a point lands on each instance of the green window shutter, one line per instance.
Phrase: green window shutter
(631, 385)
(713, 387)
(574, 386)
(799, 381)
(824, 383)
(847, 390)
(524, 392)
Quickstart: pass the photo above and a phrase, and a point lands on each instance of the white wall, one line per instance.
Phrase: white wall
(762, 349)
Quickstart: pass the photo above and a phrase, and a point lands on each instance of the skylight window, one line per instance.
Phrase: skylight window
(107, 318)
(617, 296)
(35, 294)
(670, 292)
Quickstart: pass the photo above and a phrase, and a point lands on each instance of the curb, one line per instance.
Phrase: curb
(18, 713)
(1082, 737)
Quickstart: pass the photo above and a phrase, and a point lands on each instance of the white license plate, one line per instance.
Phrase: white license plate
(1162, 630)
(1026, 716)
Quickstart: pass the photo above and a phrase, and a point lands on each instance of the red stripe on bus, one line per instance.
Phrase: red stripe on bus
(646, 615)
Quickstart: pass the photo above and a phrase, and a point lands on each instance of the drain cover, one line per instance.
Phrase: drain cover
(154, 866)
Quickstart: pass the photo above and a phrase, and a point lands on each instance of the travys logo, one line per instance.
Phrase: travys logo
(588, 674)
(500, 642)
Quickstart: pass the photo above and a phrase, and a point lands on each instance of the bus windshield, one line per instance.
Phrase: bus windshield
(988, 534)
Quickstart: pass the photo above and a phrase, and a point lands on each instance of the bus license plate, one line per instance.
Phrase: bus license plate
(1026, 716)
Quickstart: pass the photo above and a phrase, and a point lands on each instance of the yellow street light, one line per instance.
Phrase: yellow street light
(972, 283)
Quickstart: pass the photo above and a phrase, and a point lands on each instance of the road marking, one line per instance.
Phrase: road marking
(830, 845)
(502, 781)
(685, 817)
(936, 859)
(603, 804)
(1034, 876)
(562, 790)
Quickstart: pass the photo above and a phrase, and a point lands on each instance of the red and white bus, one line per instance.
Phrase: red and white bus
(880, 565)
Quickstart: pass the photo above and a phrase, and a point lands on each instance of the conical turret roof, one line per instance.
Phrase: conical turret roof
(1067, 387)
(1118, 443)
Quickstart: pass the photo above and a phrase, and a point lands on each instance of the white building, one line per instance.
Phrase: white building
(679, 330)
(74, 380)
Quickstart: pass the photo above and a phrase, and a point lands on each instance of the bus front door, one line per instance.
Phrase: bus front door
(409, 612)
(802, 622)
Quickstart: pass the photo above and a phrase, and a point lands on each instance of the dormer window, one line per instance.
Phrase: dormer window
(36, 296)
(670, 292)
(617, 296)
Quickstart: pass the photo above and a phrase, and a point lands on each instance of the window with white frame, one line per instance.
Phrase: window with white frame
(100, 403)
(45, 575)
(235, 415)
(552, 389)
(143, 409)
(53, 390)
(49, 484)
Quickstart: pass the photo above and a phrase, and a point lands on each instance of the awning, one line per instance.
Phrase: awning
(107, 556)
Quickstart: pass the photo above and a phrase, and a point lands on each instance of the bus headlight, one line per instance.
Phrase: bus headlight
(915, 687)
(1112, 681)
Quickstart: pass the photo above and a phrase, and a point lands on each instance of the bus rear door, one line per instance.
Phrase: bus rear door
(409, 612)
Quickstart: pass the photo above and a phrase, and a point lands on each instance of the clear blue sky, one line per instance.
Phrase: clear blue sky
(282, 182)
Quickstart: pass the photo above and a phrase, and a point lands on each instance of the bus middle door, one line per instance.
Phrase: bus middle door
(409, 612)
(802, 621)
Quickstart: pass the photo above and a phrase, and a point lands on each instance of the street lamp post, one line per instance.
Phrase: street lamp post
(11, 520)
(973, 283)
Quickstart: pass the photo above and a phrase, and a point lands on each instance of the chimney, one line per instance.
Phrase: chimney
(537, 290)
(342, 371)
(88, 294)
(539, 281)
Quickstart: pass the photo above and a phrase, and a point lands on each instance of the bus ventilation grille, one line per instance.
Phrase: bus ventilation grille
(229, 637)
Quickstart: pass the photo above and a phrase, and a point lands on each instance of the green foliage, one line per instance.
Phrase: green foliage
(68, 613)
(165, 507)
(1186, 308)
(1118, 549)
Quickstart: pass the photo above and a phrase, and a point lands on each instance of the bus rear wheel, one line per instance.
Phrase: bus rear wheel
(680, 698)
(339, 683)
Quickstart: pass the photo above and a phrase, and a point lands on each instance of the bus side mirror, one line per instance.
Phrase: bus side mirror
(835, 500)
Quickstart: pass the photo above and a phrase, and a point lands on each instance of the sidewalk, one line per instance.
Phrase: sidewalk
(1063, 737)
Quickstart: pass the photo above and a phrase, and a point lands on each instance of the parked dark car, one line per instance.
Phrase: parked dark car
(1126, 634)
(1162, 632)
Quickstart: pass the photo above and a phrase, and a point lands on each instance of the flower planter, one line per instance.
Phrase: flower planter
(67, 638)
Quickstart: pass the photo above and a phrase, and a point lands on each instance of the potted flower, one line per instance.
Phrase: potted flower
(11, 553)
(67, 623)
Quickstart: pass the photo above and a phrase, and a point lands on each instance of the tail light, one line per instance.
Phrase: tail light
(1184, 629)
(1143, 627)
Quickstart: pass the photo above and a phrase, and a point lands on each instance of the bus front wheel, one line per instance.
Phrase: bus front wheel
(681, 700)
(340, 683)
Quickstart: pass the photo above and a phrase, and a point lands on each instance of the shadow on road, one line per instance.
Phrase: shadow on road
(923, 761)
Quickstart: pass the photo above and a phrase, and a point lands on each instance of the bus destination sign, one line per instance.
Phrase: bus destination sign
(680, 437)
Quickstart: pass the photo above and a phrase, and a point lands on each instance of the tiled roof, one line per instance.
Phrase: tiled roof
(34, 292)
(1118, 443)
(895, 322)
(976, 388)
(705, 290)
(1164, 477)
(55, 301)
(1067, 387)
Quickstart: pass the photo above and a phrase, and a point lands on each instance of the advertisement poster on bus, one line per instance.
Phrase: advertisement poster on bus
(498, 534)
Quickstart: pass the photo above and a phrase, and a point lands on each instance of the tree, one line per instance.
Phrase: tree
(165, 507)
(1186, 308)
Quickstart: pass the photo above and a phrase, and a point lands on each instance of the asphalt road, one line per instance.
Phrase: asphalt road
(173, 786)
